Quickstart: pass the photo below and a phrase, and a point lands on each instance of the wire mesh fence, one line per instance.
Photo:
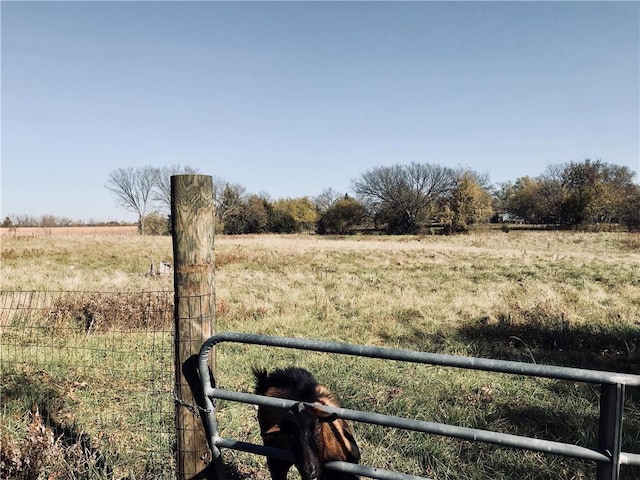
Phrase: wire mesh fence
(86, 385)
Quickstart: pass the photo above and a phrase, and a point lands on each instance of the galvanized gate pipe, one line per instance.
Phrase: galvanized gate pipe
(608, 456)
(473, 363)
(443, 429)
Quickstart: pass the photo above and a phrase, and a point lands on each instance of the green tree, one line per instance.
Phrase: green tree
(256, 214)
(572, 194)
(280, 221)
(523, 199)
(594, 192)
(342, 217)
(502, 196)
(630, 217)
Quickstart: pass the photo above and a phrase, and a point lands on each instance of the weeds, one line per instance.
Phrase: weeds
(102, 312)
(43, 454)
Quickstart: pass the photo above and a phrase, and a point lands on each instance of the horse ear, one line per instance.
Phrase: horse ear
(321, 414)
(272, 431)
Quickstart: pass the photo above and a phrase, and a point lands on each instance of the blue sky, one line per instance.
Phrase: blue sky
(291, 98)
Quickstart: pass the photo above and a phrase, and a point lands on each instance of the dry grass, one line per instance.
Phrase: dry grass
(20, 232)
(87, 263)
(562, 298)
(396, 290)
(43, 454)
(375, 290)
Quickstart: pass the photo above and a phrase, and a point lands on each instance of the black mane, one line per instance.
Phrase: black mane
(299, 383)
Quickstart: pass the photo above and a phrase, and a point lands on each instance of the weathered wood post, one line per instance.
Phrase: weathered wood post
(192, 222)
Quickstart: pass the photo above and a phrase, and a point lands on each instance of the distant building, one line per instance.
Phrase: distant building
(508, 217)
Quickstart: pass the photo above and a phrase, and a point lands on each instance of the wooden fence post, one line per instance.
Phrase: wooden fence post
(192, 222)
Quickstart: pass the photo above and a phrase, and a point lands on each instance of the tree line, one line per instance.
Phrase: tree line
(398, 199)
(403, 199)
(51, 221)
(575, 194)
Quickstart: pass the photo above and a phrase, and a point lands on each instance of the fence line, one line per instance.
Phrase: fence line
(97, 369)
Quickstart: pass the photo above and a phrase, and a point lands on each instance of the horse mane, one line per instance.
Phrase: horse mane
(295, 383)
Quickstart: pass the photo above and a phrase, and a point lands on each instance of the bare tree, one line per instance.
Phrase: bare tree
(162, 188)
(402, 195)
(25, 220)
(48, 221)
(327, 199)
(219, 185)
(133, 189)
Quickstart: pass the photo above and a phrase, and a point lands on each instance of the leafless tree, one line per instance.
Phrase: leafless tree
(219, 184)
(25, 220)
(48, 221)
(162, 188)
(133, 189)
(402, 195)
(327, 199)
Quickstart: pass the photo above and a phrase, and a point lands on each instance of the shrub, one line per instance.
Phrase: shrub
(156, 224)
(342, 218)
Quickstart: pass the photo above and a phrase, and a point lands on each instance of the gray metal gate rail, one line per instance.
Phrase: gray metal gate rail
(607, 454)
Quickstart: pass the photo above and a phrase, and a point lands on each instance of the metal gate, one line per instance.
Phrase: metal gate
(607, 454)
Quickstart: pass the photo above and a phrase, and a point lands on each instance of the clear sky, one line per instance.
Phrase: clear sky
(291, 98)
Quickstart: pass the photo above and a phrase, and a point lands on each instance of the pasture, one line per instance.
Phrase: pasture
(546, 297)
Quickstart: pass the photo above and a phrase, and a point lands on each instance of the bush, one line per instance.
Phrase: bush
(156, 224)
(341, 218)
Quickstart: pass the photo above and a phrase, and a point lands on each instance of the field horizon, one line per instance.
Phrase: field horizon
(18, 232)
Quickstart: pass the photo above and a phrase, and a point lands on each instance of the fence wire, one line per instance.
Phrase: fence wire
(86, 385)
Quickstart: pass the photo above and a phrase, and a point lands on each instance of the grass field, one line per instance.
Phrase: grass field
(546, 297)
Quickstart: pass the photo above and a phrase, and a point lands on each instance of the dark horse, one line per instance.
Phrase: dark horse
(311, 434)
